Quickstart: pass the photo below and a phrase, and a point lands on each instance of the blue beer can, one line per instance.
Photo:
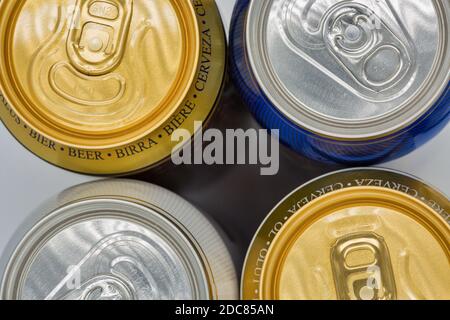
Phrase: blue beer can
(352, 82)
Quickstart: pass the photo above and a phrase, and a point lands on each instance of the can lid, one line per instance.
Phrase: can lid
(368, 243)
(97, 74)
(102, 249)
(350, 69)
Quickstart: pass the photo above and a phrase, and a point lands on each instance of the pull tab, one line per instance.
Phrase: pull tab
(116, 268)
(105, 287)
(98, 34)
(365, 46)
(362, 268)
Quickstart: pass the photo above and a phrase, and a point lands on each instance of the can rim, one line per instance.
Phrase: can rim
(199, 104)
(341, 129)
(64, 217)
(8, 87)
(367, 196)
(202, 234)
(317, 179)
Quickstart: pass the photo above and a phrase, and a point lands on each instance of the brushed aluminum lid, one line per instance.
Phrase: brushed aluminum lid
(106, 249)
(350, 69)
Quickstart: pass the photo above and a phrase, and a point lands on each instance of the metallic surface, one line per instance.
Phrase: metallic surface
(118, 240)
(221, 191)
(353, 234)
(356, 82)
(98, 86)
(381, 78)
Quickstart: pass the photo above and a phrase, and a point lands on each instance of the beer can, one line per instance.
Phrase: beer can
(98, 87)
(352, 82)
(357, 234)
(118, 240)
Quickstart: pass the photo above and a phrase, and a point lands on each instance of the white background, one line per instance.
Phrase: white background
(26, 181)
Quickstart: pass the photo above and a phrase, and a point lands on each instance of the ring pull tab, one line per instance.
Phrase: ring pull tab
(365, 46)
(104, 287)
(116, 268)
(98, 34)
(362, 268)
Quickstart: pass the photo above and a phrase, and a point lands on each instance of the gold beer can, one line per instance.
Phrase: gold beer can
(358, 234)
(98, 87)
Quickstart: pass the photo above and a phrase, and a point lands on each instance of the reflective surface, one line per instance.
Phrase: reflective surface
(350, 69)
(365, 253)
(98, 73)
(117, 239)
(355, 234)
(98, 87)
(111, 255)
(121, 265)
(221, 191)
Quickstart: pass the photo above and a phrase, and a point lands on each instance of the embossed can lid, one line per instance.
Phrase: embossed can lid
(359, 234)
(98, 73)
(350, 69)
(113, 247)
(99, 86)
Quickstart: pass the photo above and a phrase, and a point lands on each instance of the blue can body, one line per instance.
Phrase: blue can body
(350, 152)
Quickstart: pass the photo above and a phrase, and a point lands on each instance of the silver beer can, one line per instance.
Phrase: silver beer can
(118, 240)
(353, 82)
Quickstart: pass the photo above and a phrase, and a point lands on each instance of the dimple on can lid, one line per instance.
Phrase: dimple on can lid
(98, 87)
(118, 240)
(358, 234)
(345, 81)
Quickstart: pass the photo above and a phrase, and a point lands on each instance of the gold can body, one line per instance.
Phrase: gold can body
(359, 234)
(98, 87)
